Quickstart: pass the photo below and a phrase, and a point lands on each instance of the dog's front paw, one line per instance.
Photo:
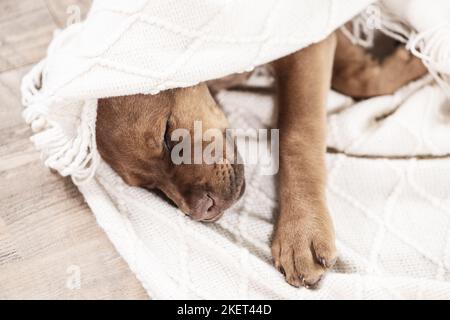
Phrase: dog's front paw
(304, 248)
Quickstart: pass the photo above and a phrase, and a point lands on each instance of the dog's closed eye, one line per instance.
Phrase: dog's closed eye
(167, 138)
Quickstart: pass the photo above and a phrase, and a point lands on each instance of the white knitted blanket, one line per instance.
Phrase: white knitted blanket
(389, 160)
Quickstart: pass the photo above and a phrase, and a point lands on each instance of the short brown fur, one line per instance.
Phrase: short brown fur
(130, 135)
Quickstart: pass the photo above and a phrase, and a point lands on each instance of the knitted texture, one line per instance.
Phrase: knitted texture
(388, 168)
(391, 216)
(142, 46)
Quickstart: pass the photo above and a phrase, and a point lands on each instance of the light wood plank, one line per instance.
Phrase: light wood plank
(26, 27)
(45, 226)
(61, 10)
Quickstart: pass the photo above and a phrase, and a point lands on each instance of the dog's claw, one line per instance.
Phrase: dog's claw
(314, 285)
(327, 264)
(294, 282)
(303, 257)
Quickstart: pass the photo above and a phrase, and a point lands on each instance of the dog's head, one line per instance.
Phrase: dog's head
(134, 138)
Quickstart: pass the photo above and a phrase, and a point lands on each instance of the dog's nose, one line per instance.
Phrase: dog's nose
(207, 208)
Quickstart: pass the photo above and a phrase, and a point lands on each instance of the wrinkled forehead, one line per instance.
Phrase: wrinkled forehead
(179, 108)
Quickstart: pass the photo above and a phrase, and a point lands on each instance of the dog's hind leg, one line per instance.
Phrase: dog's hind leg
(358, 74)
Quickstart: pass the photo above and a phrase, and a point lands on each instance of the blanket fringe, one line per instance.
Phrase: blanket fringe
(70, 152)
(431, 46)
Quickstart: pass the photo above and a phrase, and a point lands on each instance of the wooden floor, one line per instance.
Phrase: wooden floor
(48, 237)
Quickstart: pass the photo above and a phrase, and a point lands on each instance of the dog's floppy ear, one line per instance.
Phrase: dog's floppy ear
(126, 129)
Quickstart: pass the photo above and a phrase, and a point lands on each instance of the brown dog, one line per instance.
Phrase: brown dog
(133, 137)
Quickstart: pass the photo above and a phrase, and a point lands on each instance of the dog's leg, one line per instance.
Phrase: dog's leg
(357, 74)
(303, 245)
